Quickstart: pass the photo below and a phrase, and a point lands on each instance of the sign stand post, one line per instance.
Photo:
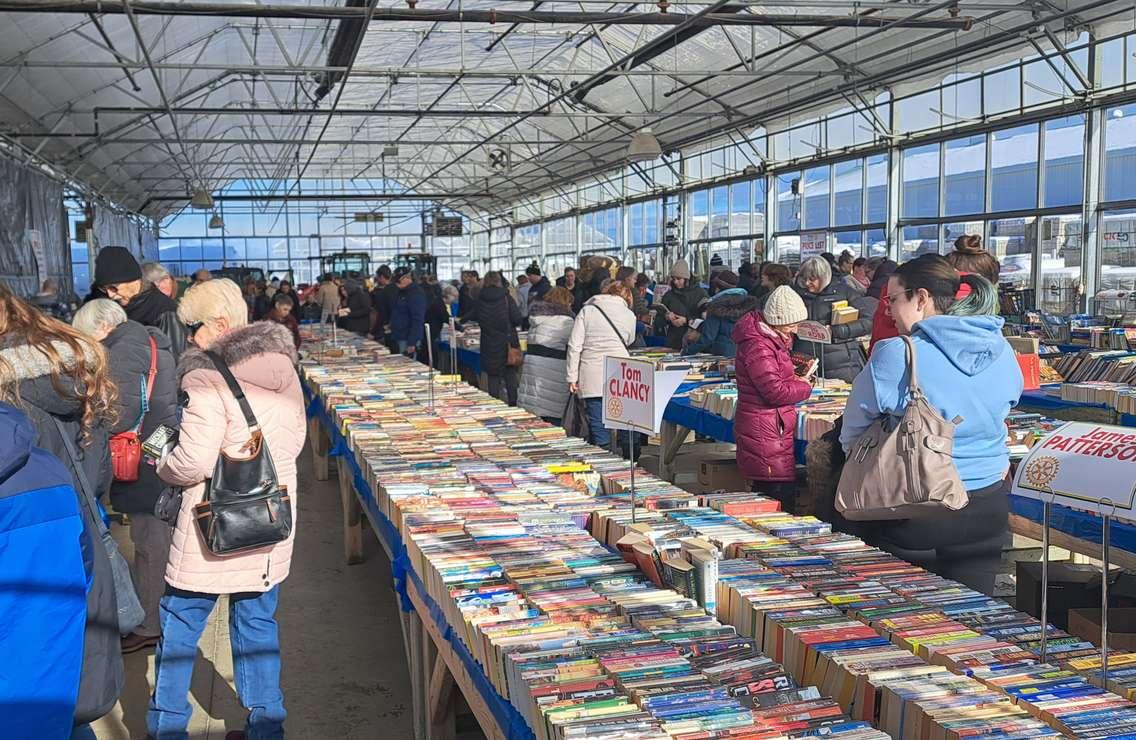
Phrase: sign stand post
(1106, 526)
(1045, 579)
(453, 347)
(430, 367)
(631, 449)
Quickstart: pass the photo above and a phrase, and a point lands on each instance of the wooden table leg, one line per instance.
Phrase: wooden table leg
(352, 514)
(414, 643)
(320, 445)
(438, 692)
(671, 439)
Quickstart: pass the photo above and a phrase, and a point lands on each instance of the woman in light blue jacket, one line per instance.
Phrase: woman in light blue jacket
(966, 369)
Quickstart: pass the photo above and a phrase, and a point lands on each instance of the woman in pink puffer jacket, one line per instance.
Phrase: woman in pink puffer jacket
(262, 357)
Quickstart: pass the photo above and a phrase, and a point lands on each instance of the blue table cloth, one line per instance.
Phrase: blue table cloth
(468, 357)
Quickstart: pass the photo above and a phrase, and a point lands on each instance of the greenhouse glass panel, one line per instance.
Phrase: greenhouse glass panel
(1013, 167)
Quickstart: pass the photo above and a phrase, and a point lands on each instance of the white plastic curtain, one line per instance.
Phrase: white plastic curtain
(33, 239)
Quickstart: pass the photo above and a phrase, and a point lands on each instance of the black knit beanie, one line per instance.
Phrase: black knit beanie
(115, 265)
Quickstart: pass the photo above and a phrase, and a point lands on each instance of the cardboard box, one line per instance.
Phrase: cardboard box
(1024, 345)
(721, 474)
(1071, 586)
(1086, 624)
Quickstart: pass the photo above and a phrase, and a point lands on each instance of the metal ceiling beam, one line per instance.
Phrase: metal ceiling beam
(325, 196)
(425, 15)
(398, 74)
(365, 112)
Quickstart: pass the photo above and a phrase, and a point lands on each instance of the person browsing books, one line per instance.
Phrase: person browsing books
(967, 370)
(768, 389)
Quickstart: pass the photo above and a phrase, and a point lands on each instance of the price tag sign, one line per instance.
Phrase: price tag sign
(814, 331)
(1088, 467)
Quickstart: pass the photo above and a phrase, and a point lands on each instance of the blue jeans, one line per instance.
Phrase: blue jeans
(598, 434)
(256, 662)
(83, 732)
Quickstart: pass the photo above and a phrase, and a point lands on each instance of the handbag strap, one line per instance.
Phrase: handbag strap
(149, 384)
(235, 388)
(912, 375)
(88, 494)
(613, 326)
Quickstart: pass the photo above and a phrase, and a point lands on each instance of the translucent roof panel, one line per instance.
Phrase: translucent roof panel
(145, 108)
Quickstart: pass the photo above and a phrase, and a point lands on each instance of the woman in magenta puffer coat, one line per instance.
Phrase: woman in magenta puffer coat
(768, 389)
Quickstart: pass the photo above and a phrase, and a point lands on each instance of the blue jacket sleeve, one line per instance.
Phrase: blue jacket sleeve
(875, 391)
(417, 309)
(708, 332)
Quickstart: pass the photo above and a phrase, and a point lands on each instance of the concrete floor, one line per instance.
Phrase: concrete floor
(344, 674)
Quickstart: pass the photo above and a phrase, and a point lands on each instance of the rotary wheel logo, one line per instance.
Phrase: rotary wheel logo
(1042, 470)
(614, 408)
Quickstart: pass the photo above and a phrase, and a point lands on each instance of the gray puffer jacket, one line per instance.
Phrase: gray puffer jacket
(544, 376)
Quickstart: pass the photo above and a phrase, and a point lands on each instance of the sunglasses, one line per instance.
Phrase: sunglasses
(191, 329)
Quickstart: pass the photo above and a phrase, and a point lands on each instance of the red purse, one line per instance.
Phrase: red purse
(126, 447)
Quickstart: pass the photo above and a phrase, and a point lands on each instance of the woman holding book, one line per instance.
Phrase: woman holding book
(765, 423)
(966, 370)
(842, 358)
(604, 327)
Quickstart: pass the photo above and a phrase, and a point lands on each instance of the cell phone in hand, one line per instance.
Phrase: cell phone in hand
(160, 443)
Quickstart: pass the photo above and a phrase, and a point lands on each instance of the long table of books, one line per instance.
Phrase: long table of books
(526, 585)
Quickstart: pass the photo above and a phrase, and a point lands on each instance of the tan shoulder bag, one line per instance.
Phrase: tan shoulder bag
(903, 470)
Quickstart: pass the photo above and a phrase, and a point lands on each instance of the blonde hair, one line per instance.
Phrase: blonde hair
(214, 299)
(560, 297)
(20, 323)
(621, 290)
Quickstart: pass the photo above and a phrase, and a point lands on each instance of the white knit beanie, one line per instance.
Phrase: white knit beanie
(784, 307)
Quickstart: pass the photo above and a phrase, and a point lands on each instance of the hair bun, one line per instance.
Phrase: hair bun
(969, 244)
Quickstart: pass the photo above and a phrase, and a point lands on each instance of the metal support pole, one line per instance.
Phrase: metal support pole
(430, 367)
(453, 347)
(1045, 581)
(1106, 526)
(631, 448)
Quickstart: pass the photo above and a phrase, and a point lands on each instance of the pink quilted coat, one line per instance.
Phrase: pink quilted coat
(262, 358)
(766, 419)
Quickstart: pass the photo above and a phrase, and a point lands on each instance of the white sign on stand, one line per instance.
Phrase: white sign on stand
(1089, 467)
(635, 394)
(814, 331)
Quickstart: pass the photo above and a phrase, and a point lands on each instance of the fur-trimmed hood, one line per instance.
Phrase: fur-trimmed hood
(241, 348)
(544, 308)
(29, 362)
(731, 307)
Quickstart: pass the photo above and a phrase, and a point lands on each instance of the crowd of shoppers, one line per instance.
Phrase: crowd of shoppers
(140, 358)
(73, 400)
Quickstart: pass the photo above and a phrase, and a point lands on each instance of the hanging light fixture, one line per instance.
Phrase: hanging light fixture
(644, 147)
(216, 222)
(201, 199)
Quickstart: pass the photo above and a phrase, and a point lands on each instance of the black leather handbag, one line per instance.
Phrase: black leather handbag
(244, 507)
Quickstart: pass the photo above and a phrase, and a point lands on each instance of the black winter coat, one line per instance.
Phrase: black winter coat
(102, 677)
(499, 317)
(128, 355)
(539, 290)
(843, 359)
(684, 302)
(358, 318)
(154, 308)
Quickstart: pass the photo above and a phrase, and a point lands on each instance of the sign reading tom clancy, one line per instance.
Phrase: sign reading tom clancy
(814, 331)
(635, 394)
(1090, 467)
